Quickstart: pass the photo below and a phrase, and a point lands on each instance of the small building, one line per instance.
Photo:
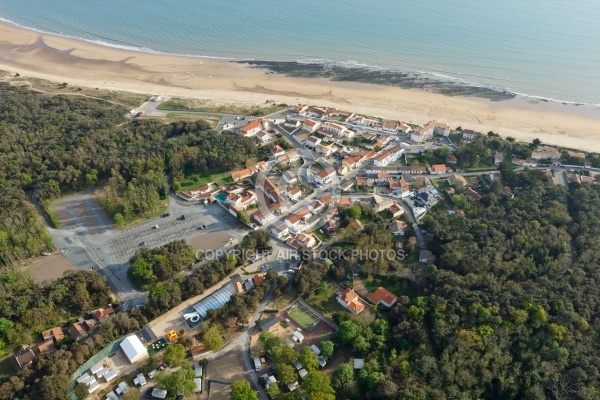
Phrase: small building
(498, 158)
(451, 159)
(472, 195)
(159, 393)
(397, 228)
(468, 134)
(359, 363)
(396, 210)
(133, 348)
(258, 279)
(382, 296)
(102, 314)
(139, 380)
(298, 337)
(110, 375)
(350, 301)
(269, 324)
(55, 333)
(426, 256)
(23, 358)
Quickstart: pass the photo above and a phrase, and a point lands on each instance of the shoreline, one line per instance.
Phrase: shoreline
(87, 64)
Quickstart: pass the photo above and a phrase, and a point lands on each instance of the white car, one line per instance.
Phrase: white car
(45, 253)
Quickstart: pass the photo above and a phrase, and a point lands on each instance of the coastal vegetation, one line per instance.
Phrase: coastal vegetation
(209, 106)
(52, 145)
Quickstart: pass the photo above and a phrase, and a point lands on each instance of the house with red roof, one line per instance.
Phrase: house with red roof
(382, 296)
(349, 299)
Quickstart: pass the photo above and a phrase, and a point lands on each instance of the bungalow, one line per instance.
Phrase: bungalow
(404, 128)
(327, 199)
(379, 204)
(413, 148)
(378, 143)
(80, 329)
(311, 126)
(350, 301)
(517, 161)
(102, 314)
(290, 177)
(305, 240)
(262, 218)
(426, 256)
(390, 126)
(342, 170)
(316, 112)
(47, 346)
(397, 228)
(264, 136)
(293, 193)
(324, 150)
(253, 127)
(382, 296)
(546, 152)
(324, 176)
(277, 150)
(450, 191)
(269, 189)
(200, 192)
(396, 210)
(298, 218)
(451, 159)
(280, 230)
(472, 195)
(362, 181)
(346, 186)
(243, 174)
(439, 169)
(55, 333)
(399, 187)
(530, 162)
(316, 207)
(345, 202)
(23, 358)
(468, 134)
(331, 219)
(242, 201)
(498, 158)
(312, 141)
(454, 180)
(289, 157)
(292, 123)
(369, 136)
(388, 156)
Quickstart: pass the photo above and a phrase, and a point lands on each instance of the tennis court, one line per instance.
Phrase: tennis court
(303, 317)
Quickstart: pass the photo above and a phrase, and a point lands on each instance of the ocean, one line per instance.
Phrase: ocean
(548, 49)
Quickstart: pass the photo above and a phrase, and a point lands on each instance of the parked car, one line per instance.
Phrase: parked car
(45, 253)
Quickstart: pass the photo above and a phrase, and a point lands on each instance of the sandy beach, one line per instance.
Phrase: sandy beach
(87, 64)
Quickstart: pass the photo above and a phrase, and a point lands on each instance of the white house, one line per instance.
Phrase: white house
(311, 125)
(253, 127)
(294, 193)
(468, 134)
(264, 136)
(388, 156)
(312, 141)
(292, 123)
(350, 301)
(290, 177)
(324, 176)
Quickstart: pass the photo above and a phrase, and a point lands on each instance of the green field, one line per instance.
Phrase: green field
(200, 178)
(303, 318)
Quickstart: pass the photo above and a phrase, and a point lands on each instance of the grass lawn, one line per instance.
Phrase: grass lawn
(200, 178)
(393, 284)
(6, 367)
(325, 301)
(323, 237)
(281, 301)
(302, 317)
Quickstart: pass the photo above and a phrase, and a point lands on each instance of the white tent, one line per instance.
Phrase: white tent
(110, 375)
(133, 348)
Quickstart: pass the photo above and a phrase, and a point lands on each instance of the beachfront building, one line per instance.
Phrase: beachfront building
(388, 156)
(427, 131)
(253, 127)
(546, 152)
(311, 125)
(469, 134)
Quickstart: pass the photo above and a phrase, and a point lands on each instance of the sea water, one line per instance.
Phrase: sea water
(548, 49)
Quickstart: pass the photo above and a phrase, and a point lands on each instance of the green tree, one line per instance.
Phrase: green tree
(347, 332)
(211, 337)
(286, 373)
(327, 348)
(241, 390)
(269, 341)
(318, 385)
(54, 387)
(119, 220)
(355, 211)
(274, 392)
(308, 359)
(81, 391)
(344, 373)
(180, 381)
(174, 354)
(243, 217)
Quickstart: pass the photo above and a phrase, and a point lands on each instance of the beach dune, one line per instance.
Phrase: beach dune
(87, 64)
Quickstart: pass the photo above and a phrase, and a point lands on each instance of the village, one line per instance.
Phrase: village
(323, 172)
